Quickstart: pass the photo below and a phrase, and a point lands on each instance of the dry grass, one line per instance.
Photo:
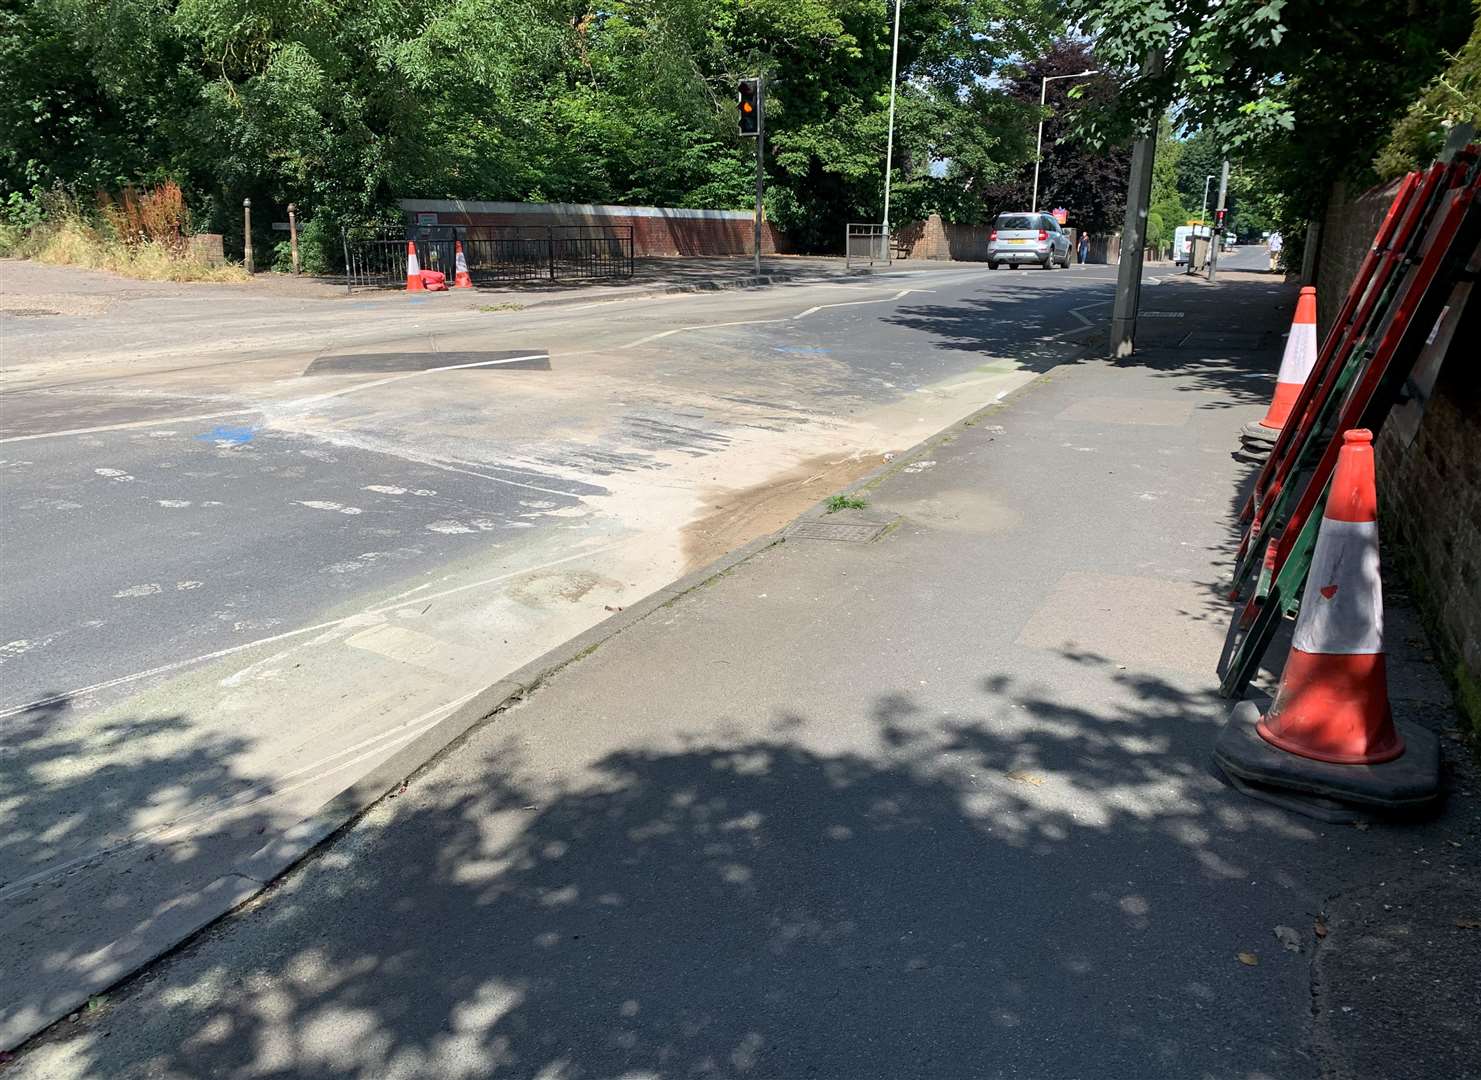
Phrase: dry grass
(73, 242)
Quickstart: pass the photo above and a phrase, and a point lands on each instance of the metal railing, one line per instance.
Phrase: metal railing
(866, 244)
(373, 260)
(495, 254)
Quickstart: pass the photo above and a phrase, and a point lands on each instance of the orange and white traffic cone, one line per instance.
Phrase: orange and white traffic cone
(414, 282)
(1331, 710)
(1295, 367)
(462, 279)
(1332, 704)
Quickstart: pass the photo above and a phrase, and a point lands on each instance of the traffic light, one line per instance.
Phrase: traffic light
(750, 106)
(1219, 217)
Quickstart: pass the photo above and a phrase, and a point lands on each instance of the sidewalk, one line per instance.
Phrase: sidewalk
(938, 804)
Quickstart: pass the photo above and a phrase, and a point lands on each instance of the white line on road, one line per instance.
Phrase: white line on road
(855, 303)
(700, 326)
(164, 669)
(313, 399)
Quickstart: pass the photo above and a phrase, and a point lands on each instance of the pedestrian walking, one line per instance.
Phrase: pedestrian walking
(1084, 247)
(1274, 244)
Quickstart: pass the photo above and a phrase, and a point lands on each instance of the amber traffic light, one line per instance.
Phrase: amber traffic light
(750, 106)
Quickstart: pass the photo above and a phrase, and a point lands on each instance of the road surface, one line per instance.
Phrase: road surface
(248, 557)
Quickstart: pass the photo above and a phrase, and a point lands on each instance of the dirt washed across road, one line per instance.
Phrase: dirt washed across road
(239, 576)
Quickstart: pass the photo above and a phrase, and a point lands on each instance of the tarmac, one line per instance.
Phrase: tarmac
(920, 787)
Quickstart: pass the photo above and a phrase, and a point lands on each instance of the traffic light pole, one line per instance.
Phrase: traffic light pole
(1217, 239)
(760, 171)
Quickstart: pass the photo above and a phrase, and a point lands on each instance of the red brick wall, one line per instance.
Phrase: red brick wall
(656, 230)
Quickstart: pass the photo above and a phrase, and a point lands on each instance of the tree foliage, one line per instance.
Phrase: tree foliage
(345, 107)
(1301, 92)
(1088, 181)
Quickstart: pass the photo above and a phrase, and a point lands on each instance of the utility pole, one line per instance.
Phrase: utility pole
(1134, 232)
(1220, 215)
(760, 169)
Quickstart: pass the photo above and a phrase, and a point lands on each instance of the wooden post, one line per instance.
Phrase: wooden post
(293, 234)
(247, 234)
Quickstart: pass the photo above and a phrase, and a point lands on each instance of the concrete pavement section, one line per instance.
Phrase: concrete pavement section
(934, 804)
(243, 568)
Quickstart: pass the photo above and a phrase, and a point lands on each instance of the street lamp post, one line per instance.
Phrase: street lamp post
(1203, 207)
(1039, 149)
(889, 154)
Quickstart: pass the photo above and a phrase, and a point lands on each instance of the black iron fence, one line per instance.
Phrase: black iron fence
(495, 254)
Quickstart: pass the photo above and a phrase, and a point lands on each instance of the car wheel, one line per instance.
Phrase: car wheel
(1048, 263)
(992, 265)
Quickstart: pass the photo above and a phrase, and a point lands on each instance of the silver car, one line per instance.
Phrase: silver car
(1027, 238)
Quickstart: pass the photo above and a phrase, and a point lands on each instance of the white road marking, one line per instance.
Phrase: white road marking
(397, 601)
(699, 326)
(854, 303)
(321, 504)
(295, 403)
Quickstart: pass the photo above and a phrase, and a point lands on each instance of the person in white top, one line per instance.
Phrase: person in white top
(1274, 243)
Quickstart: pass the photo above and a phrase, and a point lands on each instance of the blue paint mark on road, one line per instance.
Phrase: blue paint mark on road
(802, 350)
(235, 436)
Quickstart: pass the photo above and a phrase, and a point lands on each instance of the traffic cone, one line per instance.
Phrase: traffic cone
(462, 279)
(1332, 704)
(414, 282)
(1295, 366)
(1330, 733)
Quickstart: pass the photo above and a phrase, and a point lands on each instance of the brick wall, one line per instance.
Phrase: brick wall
(1347, 233)
(656, 230)
(937, 239)
(1429, 470)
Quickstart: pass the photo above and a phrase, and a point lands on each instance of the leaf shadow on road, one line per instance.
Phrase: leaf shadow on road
(143, 805)
(958, 901)
(1008, 324)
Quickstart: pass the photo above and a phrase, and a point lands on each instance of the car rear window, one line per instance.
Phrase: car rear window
(1016, 221)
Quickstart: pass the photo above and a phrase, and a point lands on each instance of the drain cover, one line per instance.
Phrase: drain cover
(837, 530)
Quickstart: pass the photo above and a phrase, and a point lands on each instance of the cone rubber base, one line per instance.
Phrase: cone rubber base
(1406, 785)
(1257, 432)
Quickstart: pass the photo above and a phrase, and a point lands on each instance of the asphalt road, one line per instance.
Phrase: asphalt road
(240, 569)
(935, 806)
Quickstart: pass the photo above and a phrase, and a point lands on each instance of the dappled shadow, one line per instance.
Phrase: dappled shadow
(1026, 323)
(960, 901)
(1227, 345)
(112, 830)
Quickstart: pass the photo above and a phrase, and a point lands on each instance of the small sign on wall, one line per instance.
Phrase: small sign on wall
(1061, 215)
(426, 218)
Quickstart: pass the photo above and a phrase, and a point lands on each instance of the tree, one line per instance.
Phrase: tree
(1303, 90)
(1087, 181)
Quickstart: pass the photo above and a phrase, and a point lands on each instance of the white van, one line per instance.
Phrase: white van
(1182, 241)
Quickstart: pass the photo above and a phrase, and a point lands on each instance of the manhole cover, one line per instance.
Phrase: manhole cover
(1159, 314)
(837, 530)
(29, 311)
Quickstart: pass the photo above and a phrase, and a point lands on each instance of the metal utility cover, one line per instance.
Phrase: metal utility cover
(837, 530)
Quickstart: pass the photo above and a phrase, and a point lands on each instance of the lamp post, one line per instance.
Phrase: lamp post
(1203, 207)
(889, 154)
(1039, 148)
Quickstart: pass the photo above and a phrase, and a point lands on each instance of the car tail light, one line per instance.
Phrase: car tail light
(992, 237)
(1043, 235)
